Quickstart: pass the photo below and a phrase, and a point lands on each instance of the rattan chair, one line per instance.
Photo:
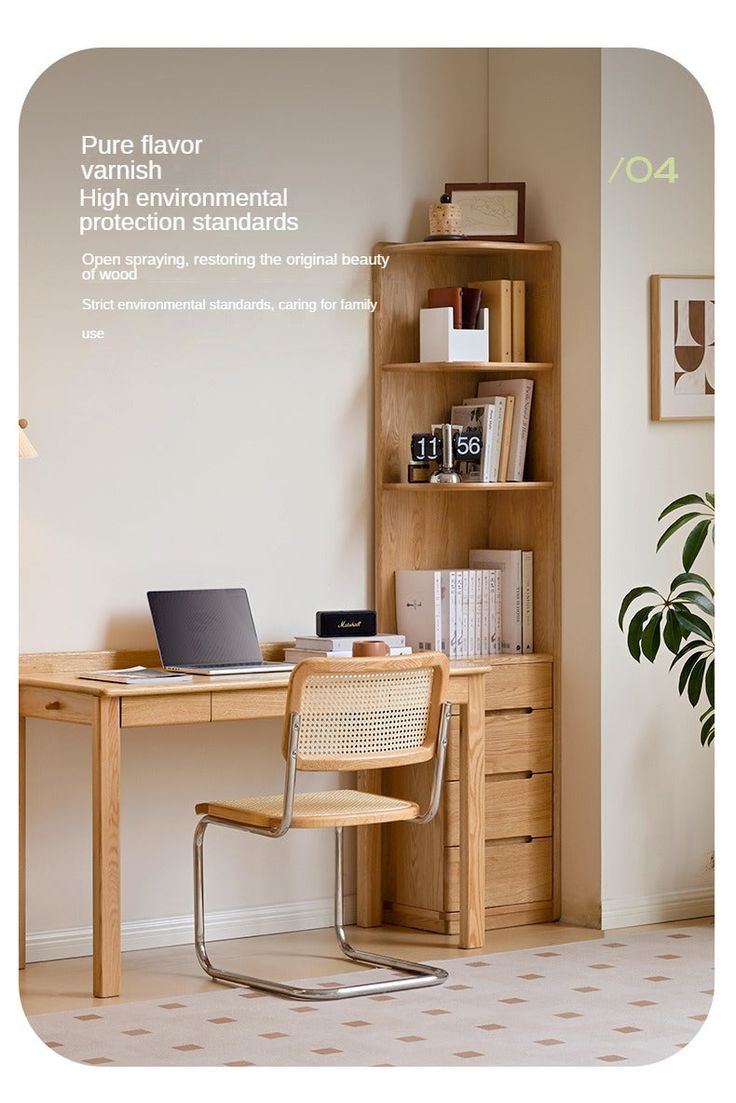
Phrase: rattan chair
(343, 714)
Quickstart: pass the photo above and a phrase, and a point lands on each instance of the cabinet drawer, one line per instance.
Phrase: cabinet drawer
(54, 704)
(245, 704)
(516, 740)
(519, 685)
(516, 873)
(169, 708)
(514, 806)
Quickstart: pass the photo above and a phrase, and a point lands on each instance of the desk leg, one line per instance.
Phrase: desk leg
(472, 818)
(22, 842)
(369, 910)
(106, 847)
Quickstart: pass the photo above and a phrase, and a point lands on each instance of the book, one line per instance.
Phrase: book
(135, 676)
(527, 600)
(518, 320)
(299, 654)
(452, 603)
(508, 421)
(493, 441)
(477, 415)
(496, 295)
(345, 643)
(478, 649)
(448, 296)
(522, 390)
(509, 563)
(470, 299)
(419, 609)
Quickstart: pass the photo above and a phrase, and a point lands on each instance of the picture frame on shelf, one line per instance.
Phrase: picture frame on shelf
(490, 211)
(682, 348)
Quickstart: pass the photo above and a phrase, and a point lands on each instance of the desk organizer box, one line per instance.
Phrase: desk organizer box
(439, 341)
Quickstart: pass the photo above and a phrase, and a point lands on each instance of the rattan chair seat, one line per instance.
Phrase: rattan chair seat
(331, 808)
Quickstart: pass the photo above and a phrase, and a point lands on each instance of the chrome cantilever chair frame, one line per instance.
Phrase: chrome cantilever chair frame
(419, 974)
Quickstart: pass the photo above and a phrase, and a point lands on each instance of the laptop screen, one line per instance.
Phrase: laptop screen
(204, 627)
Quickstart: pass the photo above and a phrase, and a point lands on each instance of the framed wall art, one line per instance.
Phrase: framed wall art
(490, 212)
(682, 348)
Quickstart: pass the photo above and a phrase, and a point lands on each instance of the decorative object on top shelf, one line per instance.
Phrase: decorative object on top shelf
(682, 347)
(490, 212)
(445, 220)
(676, 617)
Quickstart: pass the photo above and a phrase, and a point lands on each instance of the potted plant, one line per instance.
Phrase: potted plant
(683, 619)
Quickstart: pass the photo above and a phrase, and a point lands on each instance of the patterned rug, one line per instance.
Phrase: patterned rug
(605, 1002)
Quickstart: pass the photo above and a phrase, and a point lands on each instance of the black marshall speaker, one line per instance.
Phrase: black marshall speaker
(350, 622)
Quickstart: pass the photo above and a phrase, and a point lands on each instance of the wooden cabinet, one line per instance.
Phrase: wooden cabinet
(424, 527)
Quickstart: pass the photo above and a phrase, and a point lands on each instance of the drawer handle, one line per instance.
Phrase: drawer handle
(52, 705)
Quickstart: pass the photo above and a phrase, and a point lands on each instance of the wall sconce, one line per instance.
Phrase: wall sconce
(26, 451)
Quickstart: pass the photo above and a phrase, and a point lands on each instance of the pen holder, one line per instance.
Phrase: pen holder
(440, 342)
(363, 649)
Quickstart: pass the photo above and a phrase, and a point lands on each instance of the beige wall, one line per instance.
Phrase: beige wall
(657, 782)
(156, 467)
(545, 129)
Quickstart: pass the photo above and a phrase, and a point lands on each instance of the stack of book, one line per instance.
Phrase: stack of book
(458, 612)
(506, 302)
(338, 647)
(486, 610)
(501, 411)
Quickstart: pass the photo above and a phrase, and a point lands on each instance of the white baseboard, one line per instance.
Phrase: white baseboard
(664, 907)
(177, 930)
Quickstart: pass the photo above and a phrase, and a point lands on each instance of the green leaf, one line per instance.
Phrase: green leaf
(695, 682)
(675, 526)
(686, 672)
(650, 638)
(690, 623)
(701, 645)
(672, 635)
(694, 597)
(687, 577)
(708, 712)
(708, 731)
(636, 625)
(632, 596)
(686, 500)
(710, 683)
(710, 499)
(694, 543)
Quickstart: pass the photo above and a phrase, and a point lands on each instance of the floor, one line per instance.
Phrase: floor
(148, 974)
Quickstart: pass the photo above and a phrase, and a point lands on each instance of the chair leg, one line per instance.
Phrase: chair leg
(420, 975)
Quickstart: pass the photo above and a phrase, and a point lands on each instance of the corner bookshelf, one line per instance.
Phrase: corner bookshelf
(421, 526)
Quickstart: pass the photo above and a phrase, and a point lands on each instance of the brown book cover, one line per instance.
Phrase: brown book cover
(471, 297)
(448, 296)
(518, 320)
(496, 295)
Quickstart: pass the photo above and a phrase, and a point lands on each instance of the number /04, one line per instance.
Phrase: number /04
(640, 170)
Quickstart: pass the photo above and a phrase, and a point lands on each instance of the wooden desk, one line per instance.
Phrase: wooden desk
(50, 689)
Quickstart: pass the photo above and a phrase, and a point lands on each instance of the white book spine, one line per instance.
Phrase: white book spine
(499, 408)
(478, 613)
(471, 614)
(464, 654)
(445, 611)
(487, 447)
(527, 624)
(509, 563)
(438, 610)
(497, 613)
(485, 614)
(453, 614)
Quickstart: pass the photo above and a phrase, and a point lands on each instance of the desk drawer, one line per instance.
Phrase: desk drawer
(514, 806)
(54, 704)
(518, 872)
(166, 708)
(516, 740)
(519, 685)
(245, 704)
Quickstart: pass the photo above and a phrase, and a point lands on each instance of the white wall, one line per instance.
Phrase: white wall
(657, 784)
(545, 129)
(156, 467)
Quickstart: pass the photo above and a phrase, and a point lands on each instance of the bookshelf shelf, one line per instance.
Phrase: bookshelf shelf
(460, 488)
(433, 527)
(482, 367)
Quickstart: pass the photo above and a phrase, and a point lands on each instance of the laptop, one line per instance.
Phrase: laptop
(208, 632)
